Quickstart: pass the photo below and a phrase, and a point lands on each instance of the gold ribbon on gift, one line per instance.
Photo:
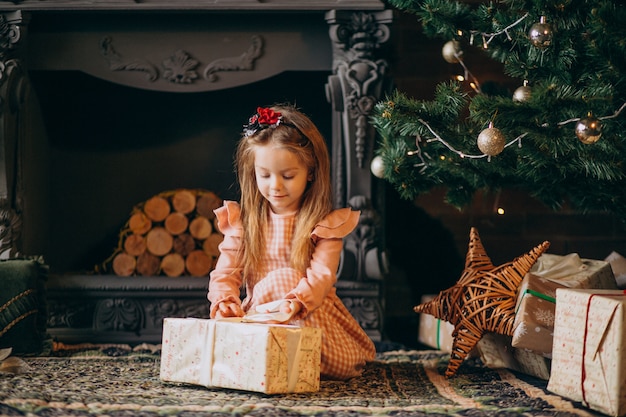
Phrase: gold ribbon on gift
(206, 361)
(294, 353)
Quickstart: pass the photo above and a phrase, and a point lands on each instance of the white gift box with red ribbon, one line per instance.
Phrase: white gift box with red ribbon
(589, 349)
(229, 353)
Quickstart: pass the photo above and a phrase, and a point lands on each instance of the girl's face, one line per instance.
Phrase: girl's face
(281, 177)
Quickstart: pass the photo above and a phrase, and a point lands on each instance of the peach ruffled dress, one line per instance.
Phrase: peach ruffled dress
(345, 346)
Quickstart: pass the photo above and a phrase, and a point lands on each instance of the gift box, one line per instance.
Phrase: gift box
(495, 351)
(229, 353)
(535, 310)
(618, 265)
(574, 272)
(534, 315)
(434, 332)
(588, 354)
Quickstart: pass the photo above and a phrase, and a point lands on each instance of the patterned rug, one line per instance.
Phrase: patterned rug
(119, 381)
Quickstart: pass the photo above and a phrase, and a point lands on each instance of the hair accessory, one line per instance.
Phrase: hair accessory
(262, 119)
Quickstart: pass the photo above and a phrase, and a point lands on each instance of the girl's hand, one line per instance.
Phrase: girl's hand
(228, 309)
(291, 307)
(285, 309)
(288, 307)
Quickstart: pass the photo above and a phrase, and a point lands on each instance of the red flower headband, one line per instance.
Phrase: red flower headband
(262, 119)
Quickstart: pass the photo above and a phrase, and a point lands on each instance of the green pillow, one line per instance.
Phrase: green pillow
(23, 314)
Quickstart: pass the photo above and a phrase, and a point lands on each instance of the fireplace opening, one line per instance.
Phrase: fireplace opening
(112, 147)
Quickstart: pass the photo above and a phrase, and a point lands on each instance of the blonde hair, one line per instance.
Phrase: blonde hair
(299, 135)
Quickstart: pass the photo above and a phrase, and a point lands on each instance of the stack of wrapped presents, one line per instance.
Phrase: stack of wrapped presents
(570, 329)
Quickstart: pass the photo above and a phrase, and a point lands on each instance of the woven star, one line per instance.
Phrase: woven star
(482, 300)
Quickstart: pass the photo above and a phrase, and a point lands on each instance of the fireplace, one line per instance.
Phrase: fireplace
(106, 103)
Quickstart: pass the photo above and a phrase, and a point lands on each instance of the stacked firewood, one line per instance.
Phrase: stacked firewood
(172, 233)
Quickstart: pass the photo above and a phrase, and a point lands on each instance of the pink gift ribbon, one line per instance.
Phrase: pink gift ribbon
(583, 370)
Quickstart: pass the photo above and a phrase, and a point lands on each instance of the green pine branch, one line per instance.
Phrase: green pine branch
(426, 144)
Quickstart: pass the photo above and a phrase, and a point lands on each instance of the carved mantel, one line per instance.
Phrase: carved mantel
(343, 36)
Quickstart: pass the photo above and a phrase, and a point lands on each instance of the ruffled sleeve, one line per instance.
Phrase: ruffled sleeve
(338, 224)
(226, 278)
(228, 219)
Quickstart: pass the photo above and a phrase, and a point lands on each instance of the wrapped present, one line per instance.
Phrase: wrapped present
(588, 355)
(532, 364)
(534, 316)
(574, 272)
(618, 265)
(229, 353)
(434, 332)
(495, 351)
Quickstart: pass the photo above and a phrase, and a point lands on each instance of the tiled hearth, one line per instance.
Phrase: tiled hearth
(104, 103)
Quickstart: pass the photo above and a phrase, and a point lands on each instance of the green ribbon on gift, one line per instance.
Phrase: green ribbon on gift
(536, 294)
(438, 334)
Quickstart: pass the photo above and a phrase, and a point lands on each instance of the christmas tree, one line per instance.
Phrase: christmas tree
(560, 136)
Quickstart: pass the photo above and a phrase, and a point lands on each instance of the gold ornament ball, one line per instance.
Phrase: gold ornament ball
(522, 94)
(589, 130)
(540, 34)
(452, 51)
(491, 141)
(378, 167)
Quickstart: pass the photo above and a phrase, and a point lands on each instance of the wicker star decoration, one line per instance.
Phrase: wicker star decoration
(482, 300)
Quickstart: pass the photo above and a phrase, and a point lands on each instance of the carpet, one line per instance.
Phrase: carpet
(119, 381)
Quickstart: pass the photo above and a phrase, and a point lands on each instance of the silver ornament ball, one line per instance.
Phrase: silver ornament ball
(491, 141)
(540, 34)
(589, 130)
(378, 167)
(522, 94)
(452, 51)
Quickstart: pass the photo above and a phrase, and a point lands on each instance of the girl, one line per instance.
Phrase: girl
(283, 241)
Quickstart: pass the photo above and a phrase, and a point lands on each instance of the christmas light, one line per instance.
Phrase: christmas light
(488, 37)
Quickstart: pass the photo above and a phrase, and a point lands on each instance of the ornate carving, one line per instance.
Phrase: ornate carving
(116, 63)
(356, 39)
(358, 82)
(365, 239)
(10, 231)
(70, 314)
(176, 308)
(79, 315)
(123, 314)
(12, 91)
(244, 62)
(10, 33)
(180, 67)
(366, 311)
